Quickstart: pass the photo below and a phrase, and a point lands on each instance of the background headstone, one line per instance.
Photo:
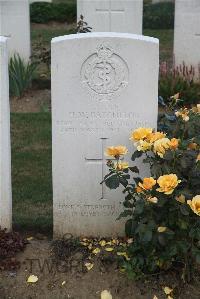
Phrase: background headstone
(5, 154)
(15, 23)
(161, 1)
(187, 33)
(104, 85)
(112, 15)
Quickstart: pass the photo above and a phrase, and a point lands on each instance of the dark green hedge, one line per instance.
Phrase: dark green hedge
(156, 16)
(159, 16)
(59, 12)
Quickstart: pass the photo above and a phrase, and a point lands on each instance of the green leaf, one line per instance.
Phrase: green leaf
(168, 155)
(123, 181)
(147, 236)
(137, 180)
(125, 213)
(130, 227)
(128, 197)
(112, 182)
(128, 204)
(184, 210)
(139, 207)
(136, 154)
(197, 258)
(106, 176)
(134, 169)
(162, 239)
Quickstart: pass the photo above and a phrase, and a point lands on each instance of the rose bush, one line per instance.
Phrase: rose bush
(162, 210)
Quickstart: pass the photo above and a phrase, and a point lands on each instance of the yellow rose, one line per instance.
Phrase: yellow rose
(196, 109)
(155, 136)
(140, 134)
(198, 158)
(121, 165)
(192, 146)
(167, 183)
(143, 146)
(183, 113)
(174, 143)
(161, 145)
(195, 204)
(139, 189)
(116, 151)
(147, 183)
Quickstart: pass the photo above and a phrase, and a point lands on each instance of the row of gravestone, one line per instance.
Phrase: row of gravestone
(108, 16)
(104, 85)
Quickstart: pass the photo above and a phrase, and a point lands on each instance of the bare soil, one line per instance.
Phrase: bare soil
(75, 282)
(34, 100)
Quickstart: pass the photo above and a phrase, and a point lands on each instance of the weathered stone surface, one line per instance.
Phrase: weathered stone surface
(5, 155)
(15, 23)
(103, 86)
(112, 15)
(187, 33)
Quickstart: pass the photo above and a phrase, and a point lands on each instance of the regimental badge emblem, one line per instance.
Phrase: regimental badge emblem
(104, 73)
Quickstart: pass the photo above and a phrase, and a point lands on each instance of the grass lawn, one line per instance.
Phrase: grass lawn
(31, 171)
(46, 33)
(166, 38)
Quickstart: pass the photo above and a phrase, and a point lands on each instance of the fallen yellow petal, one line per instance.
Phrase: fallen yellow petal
(123, 244)
(85, 240)
(84, 243)
(96, 250)
(32, 279)
(64, 282)
(109, 249)
(155, 297)
(124, 254)
(102, 243)
(89, 266)
(115, 242)
(90, 247)
(109, 243)
(106, 295)
(169, 297)
(121, 253)
(29, 238)
(167, 290)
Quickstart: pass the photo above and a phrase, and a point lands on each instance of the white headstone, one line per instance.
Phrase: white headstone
(187, 33)
(5, 155)
(162, 1)
(103, 86)
(15, 23)
(112, 15)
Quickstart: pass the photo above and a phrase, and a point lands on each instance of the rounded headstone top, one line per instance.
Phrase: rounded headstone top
(105, 34)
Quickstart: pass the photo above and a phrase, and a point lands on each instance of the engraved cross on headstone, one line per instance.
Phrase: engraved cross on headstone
(102, 160)
(110, 11)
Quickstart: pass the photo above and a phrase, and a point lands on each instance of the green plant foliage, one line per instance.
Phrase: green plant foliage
(20, 75)
(82, 26)
(46, 12)
(182, 80)
(155, 16)
(158, 16)
(162, 211)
